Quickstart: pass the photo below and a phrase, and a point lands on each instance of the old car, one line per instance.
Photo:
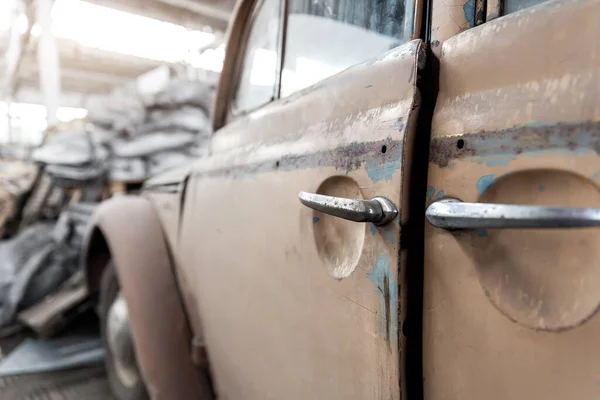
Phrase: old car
(399, 202)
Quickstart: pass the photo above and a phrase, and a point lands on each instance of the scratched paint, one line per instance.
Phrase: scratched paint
(384, 171)
(531, 140)
(430, 192)
(484, 183)
(387, 292)
(469, 9)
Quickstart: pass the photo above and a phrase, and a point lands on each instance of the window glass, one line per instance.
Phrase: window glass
(324, 37)
(258, 73)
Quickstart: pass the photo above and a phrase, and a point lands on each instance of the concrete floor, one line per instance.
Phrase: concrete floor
(77, 384)
(88, 383)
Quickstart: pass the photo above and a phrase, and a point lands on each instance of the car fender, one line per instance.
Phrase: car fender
(127, 230)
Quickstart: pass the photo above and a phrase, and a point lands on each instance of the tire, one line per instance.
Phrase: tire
(124, 387)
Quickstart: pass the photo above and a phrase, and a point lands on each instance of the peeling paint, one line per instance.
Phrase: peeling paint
(500, 147)
(440, 195)
(387, 292)
(469, 9)
(482, 233)
(399, 125)
(379, 171)
(484, 183)
(430, 192)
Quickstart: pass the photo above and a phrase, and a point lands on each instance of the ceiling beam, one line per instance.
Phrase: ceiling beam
(171, 11)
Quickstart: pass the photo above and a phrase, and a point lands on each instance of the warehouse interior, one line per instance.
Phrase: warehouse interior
(95, 97)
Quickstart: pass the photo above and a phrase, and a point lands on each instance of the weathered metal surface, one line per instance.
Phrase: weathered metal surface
(450, 17)
(503, 146)
(493, 9)
(330, 290)
(137, 245)
(525, 134)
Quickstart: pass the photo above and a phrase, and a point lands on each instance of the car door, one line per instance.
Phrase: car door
(510, 303)
(296, 303)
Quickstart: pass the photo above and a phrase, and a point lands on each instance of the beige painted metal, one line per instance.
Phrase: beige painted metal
(510, 314)
(290, 311)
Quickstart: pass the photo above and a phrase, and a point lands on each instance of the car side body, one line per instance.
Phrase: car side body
(238, 291)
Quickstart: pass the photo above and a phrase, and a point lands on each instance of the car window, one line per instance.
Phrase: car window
(324, 37)
(258, 69)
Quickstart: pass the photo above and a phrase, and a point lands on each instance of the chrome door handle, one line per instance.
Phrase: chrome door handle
(454, 214)
(378, 210)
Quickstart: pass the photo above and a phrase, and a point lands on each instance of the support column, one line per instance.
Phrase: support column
(48, 61)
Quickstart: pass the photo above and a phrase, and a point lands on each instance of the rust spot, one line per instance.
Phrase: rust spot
(513, 141)
(386, 298)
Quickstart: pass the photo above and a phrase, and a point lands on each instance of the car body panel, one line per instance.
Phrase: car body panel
(511, 313)
(280, 321)
(132, 232)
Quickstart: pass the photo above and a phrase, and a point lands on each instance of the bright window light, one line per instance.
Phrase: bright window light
(107, 29)
(28, 121)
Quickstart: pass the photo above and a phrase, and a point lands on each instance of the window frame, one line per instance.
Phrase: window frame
(233, 112)
(238, 32)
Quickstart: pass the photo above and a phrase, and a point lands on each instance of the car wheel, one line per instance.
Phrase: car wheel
(124, 376)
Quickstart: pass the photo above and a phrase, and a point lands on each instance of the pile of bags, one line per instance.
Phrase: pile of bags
(127, 139)
(39, 259)
(130, 142)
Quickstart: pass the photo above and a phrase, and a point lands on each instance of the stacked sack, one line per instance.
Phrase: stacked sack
(176, 130)
(129, 141)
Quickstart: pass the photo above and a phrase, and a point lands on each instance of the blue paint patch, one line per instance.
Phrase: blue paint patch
(378, 171)
(484, 183)
(430, 192)
(537, 124)
(315, 220)
(387, 233)
(387, 292)
(541, 188)
(373, 229)
(440, 195)
(469, 10)
(482, 233)
(497, 161)
(368, 86)
(595, 176)
(399, 125)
